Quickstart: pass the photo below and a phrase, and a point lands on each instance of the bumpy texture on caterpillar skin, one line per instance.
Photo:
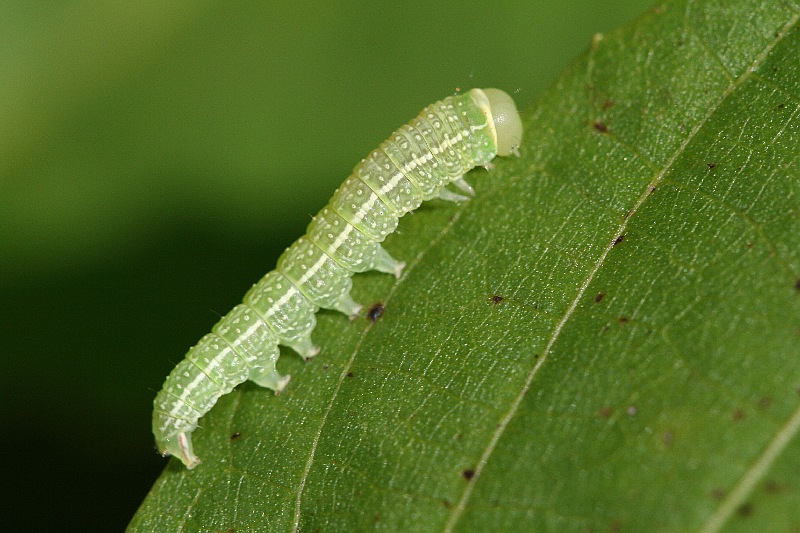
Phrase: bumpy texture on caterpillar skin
(438, 147)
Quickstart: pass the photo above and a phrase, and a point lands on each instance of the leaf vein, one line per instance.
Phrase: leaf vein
(459, 508)
(342, 376)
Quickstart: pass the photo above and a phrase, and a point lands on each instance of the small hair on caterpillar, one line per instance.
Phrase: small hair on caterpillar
(416, 163)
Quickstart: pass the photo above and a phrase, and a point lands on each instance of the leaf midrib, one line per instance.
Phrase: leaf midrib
(748, 480)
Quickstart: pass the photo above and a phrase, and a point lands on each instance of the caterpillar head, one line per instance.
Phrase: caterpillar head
(502, 111)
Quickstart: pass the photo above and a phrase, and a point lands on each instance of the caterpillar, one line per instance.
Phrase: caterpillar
(446, 140)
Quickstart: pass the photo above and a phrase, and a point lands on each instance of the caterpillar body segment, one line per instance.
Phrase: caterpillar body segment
(416, 163)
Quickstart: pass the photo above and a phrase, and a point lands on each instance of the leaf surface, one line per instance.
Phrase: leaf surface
(607, 337)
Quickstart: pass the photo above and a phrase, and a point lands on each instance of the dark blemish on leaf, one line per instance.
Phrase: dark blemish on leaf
(235, 436)
(375, 312)
(765, 402)
(601, 127)
(797, 285)
(608, 104)
(599, 297)
(624, 320)
(667, 438)
(615, 526)
(496, 299)
(750, 246)
(632, 410)
(376, 518)
(605, 328)
(468, 474)
(745, 510)
(772, 487)
(619, 240)
(446, 504)
(711, 166)
(606, 412)
(737, 415)
(349, 374)
(780, 106)
(718, 494)
(652, 189)
(326, 366)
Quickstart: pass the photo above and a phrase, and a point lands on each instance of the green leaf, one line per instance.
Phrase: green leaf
(607, 337)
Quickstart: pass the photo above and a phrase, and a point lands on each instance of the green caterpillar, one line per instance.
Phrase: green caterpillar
(445, 141)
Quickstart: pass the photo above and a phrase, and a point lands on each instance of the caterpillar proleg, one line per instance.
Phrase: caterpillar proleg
(417, 162)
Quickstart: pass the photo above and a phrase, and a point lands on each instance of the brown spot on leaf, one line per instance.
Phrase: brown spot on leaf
(711, 166)
(745, 510)
(599, 297)
(496, 299)
(737, 415)
(765, 402)
(235, 436)
(468, 474)
(606, 412)
(375, 312)
(618, 240)
(601, 127)
(350, 374)
(624, 320)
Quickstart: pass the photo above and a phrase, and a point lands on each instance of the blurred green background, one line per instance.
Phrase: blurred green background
(156, 158)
